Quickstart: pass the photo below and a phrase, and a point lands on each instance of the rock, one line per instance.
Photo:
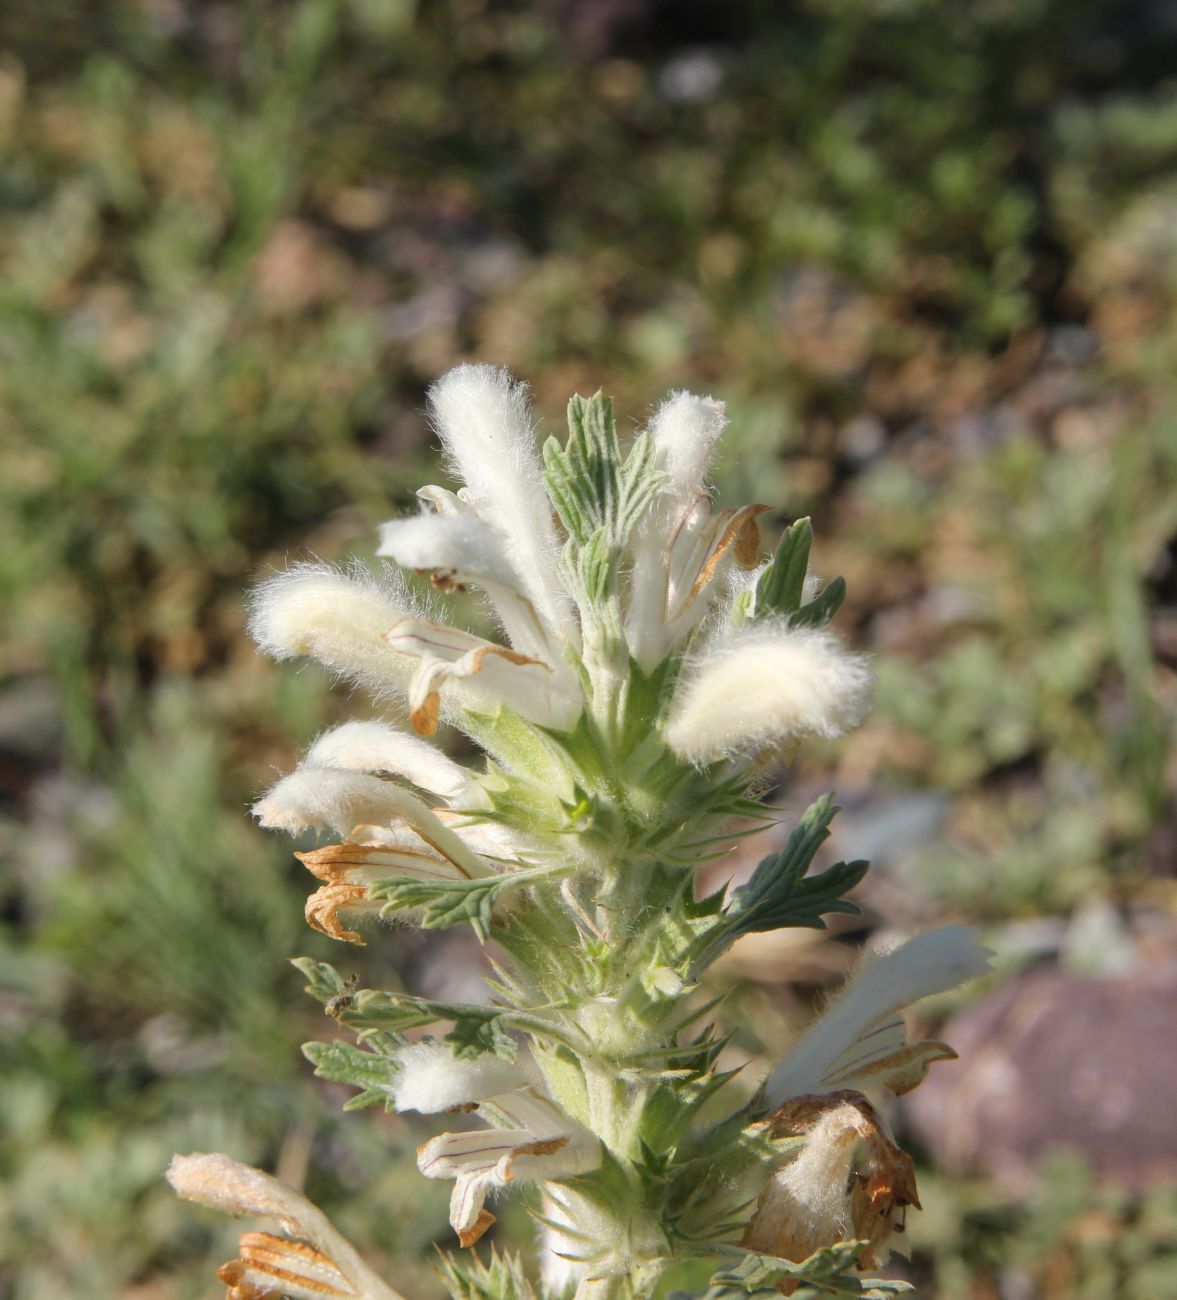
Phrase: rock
(1054, 1061)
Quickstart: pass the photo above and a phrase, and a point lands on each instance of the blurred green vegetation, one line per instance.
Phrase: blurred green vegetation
(928, 254)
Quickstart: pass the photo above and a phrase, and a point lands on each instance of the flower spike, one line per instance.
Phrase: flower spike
(650, 663)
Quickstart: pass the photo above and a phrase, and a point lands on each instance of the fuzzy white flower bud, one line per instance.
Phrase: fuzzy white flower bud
(484, 421)
(685, 430)
(764, 686)
(377, 747)
(337, 618)
(314, 797)
(431, 1079)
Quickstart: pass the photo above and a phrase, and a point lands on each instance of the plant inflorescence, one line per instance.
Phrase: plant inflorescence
(652, 668)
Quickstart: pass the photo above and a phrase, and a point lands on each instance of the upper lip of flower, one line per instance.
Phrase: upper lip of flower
(861, 1039)
(483, 418)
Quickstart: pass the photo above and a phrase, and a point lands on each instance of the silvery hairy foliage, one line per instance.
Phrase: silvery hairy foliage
(652, 668)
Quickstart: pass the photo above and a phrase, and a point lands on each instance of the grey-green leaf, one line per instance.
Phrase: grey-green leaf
(824, 1273)
(822, 608)
(782, 584)
(368, 1070)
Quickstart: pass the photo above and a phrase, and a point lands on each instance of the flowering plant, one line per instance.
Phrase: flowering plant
(652, 667)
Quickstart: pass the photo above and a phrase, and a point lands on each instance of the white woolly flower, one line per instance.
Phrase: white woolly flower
(861, 1038)
(761, 687)
(678, 548)
(479, 675)
(685, 431)
(484, 420)
(337, 618)
(431, 1079)
(458, 548)
(315, 797)
(530, 1140)
(378, 747)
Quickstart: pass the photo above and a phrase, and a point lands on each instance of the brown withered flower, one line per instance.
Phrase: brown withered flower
(849, 1180)
(314, 1263)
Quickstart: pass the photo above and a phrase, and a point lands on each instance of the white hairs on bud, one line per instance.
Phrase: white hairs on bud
(225, 1184)
(314, 797)
(484, 421)
(458, 547)
(430, 1078)
(685, 431)
(317, 797)
(884, 984)
(335, 617)
(804, 1205)
(761, 687)
(462, 544)
(377, 747)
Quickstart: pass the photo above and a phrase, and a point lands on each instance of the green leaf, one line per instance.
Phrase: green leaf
(444, 902)
(639, 482)
(780, 894)
(561, 485)
(367, 1068)
(476, 1029)
(597, 567)
(823, 1273)
(472, 1036)
(822, 608)
(381, 1016)
(326, 983)
(583, 478)
(377, 1013)
(592, 489)
(450, 902)
(594, 454)
(782, 584)
(781, 588)
(502, 1277)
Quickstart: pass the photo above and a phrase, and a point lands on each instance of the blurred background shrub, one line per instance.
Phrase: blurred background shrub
(927, 252)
